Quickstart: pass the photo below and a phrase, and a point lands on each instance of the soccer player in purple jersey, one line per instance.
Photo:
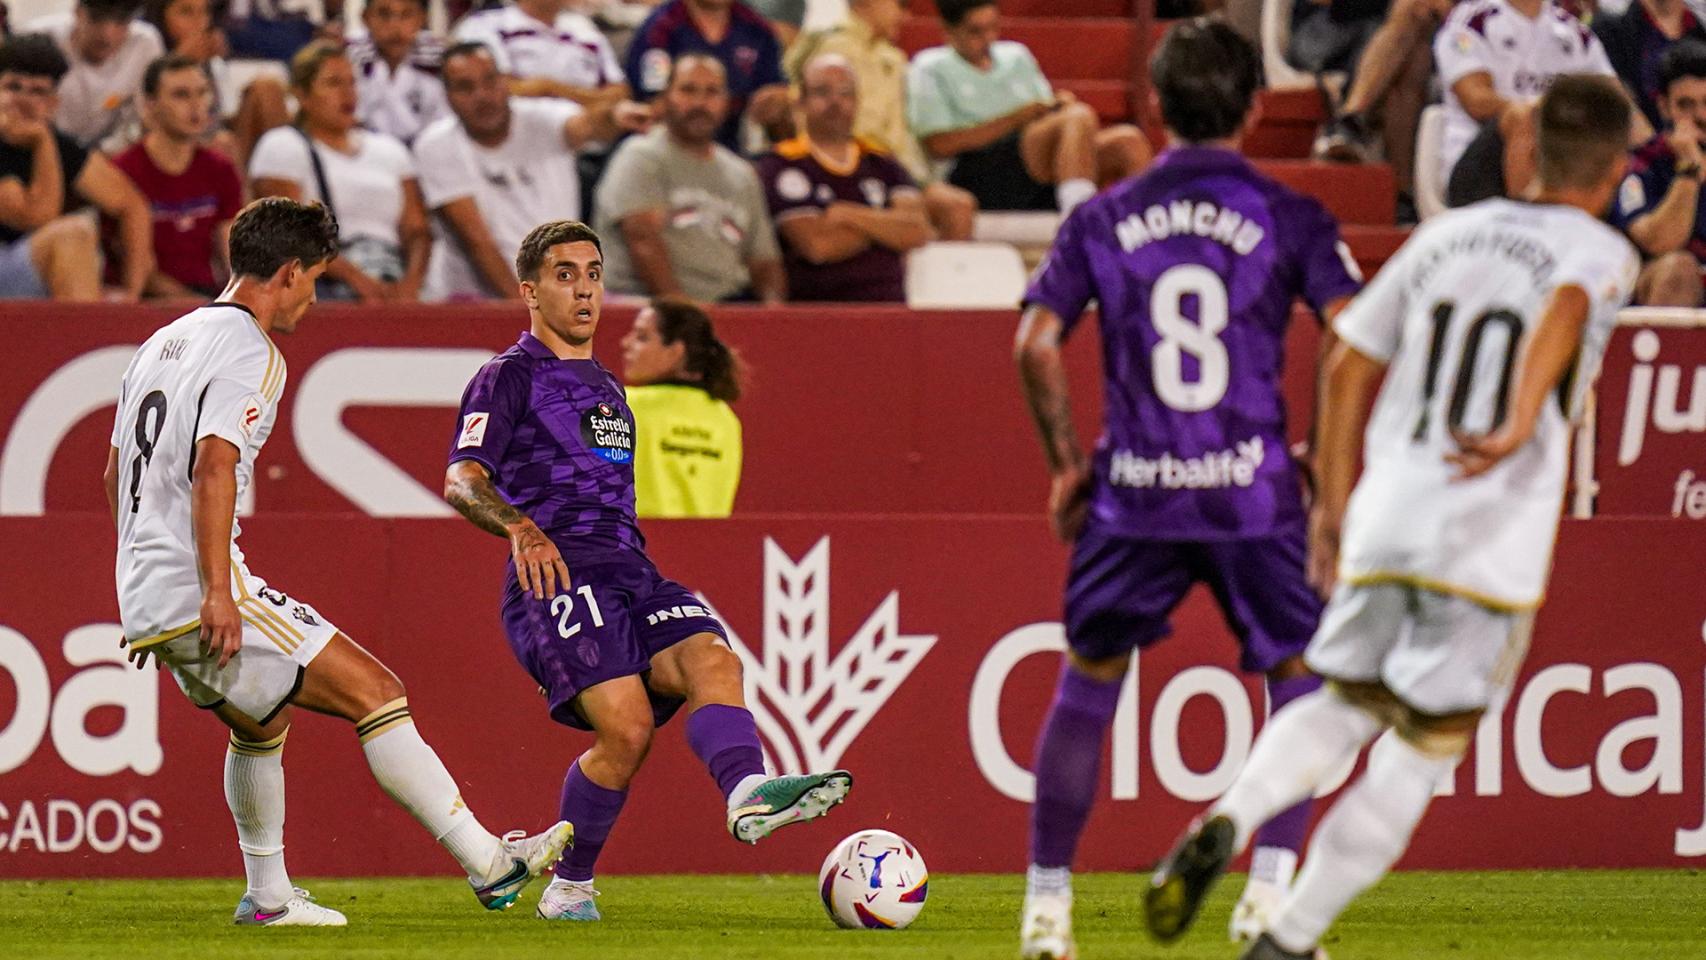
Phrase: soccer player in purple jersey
(544, 456)
(1195, 265)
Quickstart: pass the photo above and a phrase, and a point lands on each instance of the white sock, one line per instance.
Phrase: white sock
(413, 775)
(1068, 194)
(744, 788)
(1274, 866)
(254, 790)
(1360, 839)
(1048, 881)
(1298, 748)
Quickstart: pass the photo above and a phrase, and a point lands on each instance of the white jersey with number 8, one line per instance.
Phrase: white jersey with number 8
(210, 373)
(1449, 314)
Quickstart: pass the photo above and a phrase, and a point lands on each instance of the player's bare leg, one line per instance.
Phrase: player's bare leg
(1068, 762)
(1296, 751)
(1279, 841)
(596, 787)
(346, 681)
(707, 674)
(254, 790)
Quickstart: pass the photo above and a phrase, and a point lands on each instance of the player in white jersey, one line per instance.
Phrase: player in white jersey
(1488, 327)
(198, 401)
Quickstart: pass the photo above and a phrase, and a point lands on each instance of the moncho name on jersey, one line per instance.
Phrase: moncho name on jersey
(1182, 218)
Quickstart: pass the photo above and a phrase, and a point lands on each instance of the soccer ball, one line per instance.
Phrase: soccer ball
(873, 880)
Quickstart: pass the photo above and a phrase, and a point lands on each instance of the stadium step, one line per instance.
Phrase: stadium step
(1082, 48)
(1353, 193)
(1373, 246)
(1286, 121)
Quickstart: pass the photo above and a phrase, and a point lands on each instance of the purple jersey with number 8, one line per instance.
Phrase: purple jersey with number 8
(1195, 266)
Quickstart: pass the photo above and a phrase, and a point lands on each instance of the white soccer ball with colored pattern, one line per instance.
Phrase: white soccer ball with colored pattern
(873, 880)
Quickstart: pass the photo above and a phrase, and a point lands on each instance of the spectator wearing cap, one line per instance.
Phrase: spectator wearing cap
(397, 61)
(108, 48)
(982, 105)
(498, 167)
(368, 180)
(867, 40)
(1660, 205)
(193, 192)
(45, 175)
(846, 212)
(735, 36)
(680, 213)
(1635, 42)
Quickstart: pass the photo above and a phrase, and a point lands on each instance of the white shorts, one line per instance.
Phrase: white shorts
(281, 635)
(1440, 654)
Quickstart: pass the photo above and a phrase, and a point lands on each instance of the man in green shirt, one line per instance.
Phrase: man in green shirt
(983, 105)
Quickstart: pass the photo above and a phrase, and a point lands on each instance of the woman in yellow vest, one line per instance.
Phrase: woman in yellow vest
(680, 380)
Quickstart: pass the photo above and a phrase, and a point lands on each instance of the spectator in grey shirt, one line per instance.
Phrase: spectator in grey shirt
(682, 215)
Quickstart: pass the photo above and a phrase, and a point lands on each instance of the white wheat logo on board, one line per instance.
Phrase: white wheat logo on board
(809, 706)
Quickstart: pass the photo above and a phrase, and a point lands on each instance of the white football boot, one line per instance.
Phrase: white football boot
(299, 911)
(1046, 932)
(568, 900)
(519, 860)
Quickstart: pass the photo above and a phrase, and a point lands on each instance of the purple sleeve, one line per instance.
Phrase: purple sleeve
(1063, 283)
(493, 402)
(1326, 269)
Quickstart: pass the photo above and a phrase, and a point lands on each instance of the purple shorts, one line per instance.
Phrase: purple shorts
(617, 616)
(1120, 593)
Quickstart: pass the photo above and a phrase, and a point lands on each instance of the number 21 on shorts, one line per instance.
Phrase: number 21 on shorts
(563, 607)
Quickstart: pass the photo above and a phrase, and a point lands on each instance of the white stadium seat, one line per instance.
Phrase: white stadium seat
(950, 275)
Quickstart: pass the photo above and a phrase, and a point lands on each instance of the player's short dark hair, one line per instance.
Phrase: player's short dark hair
(110, 10)
(164, 65)
(33, 55)
(1583, 126)
(531, 257)
(1684, 58)
(719, 368)
(273, 231)
(465, 48)
(955, 11)
(1205, 75)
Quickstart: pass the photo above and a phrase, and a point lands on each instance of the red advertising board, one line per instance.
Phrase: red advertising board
(887, 537)
(1649, 452)
(928, 644)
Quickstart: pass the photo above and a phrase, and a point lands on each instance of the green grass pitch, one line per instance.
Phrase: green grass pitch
(1461, 916)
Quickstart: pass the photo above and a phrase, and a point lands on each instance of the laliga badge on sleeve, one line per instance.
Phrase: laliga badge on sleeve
(473, 430)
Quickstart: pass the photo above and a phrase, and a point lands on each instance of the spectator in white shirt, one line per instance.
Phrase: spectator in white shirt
(546, 49)
(366, 178)
(497, 168)
(396, 63)
(108, 48)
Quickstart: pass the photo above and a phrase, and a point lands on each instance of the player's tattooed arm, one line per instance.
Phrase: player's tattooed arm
(468, 488)
(1036, 348)
(539, 566)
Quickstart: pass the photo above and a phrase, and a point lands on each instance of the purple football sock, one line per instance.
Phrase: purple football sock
(725, 739)
(1288, 829)
(1068, 764)
(593, 810)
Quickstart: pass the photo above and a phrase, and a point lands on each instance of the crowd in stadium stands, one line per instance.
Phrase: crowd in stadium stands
(724, 151)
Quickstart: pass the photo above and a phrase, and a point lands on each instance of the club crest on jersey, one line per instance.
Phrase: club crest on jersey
(252, 410)
(609, 432)
(473, 430)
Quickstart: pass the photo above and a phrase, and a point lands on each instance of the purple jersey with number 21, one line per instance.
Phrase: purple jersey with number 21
(1195, 265)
